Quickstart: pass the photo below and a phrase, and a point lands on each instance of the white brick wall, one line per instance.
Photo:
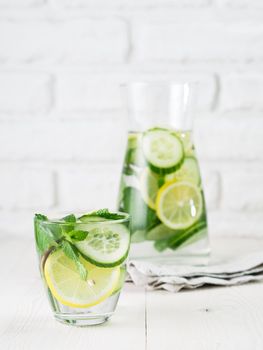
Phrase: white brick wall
(197, 41)
(128, 3)
(20, 3)
(240, 3)
(59, 41)
(25, 93)
(79, 92)
(242, 91)
(88, 187)
(26, 188)
(62, 120)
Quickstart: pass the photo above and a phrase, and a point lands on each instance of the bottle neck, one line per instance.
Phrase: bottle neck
(167, 105)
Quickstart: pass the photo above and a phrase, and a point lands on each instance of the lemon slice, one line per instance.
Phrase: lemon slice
(69, 289)
(179, 204)
(149, 187)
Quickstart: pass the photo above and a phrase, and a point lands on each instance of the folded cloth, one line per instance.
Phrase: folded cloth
(173, 278)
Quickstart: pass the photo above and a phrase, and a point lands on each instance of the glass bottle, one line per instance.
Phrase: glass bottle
(161, 185)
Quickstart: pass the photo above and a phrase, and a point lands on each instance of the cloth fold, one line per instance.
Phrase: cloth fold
(173, 278)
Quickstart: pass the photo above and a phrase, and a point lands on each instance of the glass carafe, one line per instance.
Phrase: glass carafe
(161, 184)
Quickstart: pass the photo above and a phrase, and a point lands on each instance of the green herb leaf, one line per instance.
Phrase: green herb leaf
(44, 237)
(103, 213)
(72, 253)
(82, 270)
(69, 218)
(78, 235)
(70, 221)
(41, 217)
(56, 231)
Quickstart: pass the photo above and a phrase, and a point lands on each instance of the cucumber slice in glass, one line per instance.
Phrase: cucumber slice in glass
(106, 245)
(189, 171)
(160, 232)
(163, 150)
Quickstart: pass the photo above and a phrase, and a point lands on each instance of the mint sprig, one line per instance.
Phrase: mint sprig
(103, 213)
(72, 253)
(69, 218)
(47, 239)
(44, 237)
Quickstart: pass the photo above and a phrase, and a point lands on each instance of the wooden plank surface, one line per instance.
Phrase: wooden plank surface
(26, 322)
(208, 318)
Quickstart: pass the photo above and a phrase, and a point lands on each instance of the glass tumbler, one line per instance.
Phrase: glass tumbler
(82, 263)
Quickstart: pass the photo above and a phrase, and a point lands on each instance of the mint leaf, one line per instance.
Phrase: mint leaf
(44, 237)
(69, 218)
(72, 253)
(70, 221)
(78, 235)
(82, 270)
(103, 213)
(41, 217)
(56, 231)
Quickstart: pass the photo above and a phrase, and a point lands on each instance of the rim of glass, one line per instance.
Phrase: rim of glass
(100, 220)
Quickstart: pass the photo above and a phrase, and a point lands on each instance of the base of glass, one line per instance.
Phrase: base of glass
(83, 321)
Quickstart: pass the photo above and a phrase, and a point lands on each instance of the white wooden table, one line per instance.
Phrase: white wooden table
(207, 318)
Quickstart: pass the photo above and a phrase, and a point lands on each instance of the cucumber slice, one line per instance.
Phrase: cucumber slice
(91, 218)
(181, 238)
(160, 232)
(106, 245)
(142, 217)
(138, 236)
(163, 150)
(189, 171)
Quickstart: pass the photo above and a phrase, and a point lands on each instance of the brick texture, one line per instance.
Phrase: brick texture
(74, 41)
(242, 91)
(23, 188)
(63, 116)
(86, 188)
(129, 4)
(81, 93)
(25, 93)
(20, 3)
(65, 141)
(188, 41)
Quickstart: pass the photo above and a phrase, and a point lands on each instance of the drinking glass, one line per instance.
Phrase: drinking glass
(82, 263)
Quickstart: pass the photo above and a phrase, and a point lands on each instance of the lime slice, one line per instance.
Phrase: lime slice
(149, 187)
(189, 171)
(179, 204)
(69, 289)
(163, 150)
(106, 245)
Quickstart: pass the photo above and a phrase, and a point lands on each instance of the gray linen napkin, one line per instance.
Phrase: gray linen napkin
(173, 278)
